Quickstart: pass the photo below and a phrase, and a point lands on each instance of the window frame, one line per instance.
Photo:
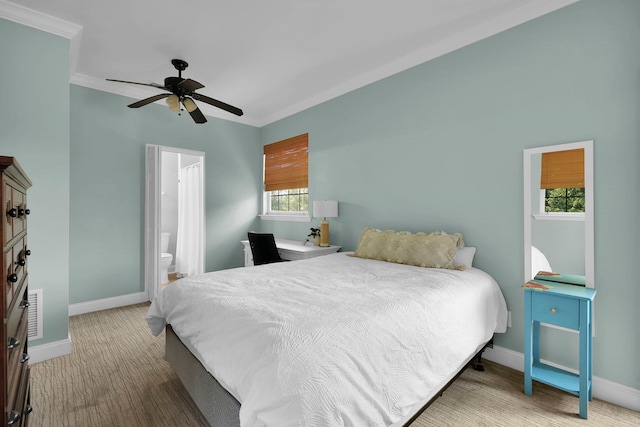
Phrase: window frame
(271, 215)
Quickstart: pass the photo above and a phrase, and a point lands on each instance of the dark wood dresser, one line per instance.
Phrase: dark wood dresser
(14, 377)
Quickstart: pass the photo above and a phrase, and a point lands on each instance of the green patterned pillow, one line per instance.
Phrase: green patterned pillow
(434, 250)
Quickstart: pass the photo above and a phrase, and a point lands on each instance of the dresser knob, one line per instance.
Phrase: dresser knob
(554, 310)
(28, 410)
(20, 212)
(27, 252)
(25, 303)
(21, 262)
(13, 343)
(14, 417)
(13, 212)
(13, 278)
(27, 211)
(25, 357)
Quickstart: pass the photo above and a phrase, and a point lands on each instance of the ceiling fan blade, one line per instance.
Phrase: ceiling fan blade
(189, 85)
(193, 109)
(149, 100)
(219, 104)
(159, 86)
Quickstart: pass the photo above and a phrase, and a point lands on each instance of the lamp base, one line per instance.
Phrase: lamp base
(324, 233)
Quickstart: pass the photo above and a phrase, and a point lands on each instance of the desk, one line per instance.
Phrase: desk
(563, 305)
(292, 250)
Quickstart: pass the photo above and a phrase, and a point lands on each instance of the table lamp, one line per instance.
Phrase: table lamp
(325, 209)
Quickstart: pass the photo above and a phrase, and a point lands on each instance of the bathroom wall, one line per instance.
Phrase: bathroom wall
(171, 164)
(169, 199)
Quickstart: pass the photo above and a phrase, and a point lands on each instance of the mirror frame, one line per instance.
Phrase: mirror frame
(589, 242)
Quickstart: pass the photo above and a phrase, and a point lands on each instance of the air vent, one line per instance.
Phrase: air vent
(35, 314)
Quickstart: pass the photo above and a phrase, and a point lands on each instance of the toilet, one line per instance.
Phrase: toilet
(165, 258)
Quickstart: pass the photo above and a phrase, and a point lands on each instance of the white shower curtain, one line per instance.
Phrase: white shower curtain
(190, 210)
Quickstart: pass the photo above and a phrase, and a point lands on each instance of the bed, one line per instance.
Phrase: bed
(330, 341)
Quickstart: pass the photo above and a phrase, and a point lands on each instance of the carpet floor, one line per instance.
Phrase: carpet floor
(116, 375)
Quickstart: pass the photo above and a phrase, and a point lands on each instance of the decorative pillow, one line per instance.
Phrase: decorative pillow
(464, 256)
(434, 250)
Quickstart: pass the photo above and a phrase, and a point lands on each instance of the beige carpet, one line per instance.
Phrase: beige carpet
(116, 376)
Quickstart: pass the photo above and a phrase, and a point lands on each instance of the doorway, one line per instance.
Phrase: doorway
(174, 215)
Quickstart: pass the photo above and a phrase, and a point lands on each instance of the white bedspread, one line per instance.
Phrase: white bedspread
(333, 340)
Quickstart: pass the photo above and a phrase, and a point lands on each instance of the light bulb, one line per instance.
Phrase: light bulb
(174, 103)
(189, 105)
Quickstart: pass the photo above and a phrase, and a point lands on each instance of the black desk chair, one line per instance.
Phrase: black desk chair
(263, 248)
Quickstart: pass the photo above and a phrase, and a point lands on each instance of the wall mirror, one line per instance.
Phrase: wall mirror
(558, 213)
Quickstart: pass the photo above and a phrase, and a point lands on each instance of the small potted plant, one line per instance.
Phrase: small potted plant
(315, 236)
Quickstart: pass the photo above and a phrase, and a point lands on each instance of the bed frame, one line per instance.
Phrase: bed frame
(220, 408)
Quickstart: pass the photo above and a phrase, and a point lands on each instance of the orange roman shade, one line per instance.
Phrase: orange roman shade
(562, 169)
(286, 164)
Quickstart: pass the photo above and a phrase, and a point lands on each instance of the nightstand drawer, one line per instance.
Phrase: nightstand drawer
(556, 310)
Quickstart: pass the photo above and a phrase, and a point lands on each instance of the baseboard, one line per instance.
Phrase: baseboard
(107, 303)
(603, 389)
(40, 353)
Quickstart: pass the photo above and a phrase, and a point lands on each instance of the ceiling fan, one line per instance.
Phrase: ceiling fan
(181, 91)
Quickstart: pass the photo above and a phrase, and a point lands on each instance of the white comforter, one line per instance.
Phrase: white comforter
(333, 340)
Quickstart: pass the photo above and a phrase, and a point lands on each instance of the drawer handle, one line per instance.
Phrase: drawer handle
(27, 252)
(25, 303)
(13, 342)
(553, 310)
(20, 212)
(28, 410)
(13, 278)
(21, 262)
(14, 417)
(25, 357)
(13, 212)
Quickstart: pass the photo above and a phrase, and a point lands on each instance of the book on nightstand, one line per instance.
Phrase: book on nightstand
(545, 280)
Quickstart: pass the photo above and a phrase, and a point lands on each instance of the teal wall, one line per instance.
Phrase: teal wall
(34, 128)
(439, 147)
(107, 188)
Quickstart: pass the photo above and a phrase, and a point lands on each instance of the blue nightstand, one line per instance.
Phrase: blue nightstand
(563, 305)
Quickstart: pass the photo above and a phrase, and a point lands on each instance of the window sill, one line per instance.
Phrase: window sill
(559, 217)
(284, 217)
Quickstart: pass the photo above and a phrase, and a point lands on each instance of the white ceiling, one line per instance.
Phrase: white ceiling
(270, 58)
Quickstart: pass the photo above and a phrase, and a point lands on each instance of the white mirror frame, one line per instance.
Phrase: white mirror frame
(589, 241)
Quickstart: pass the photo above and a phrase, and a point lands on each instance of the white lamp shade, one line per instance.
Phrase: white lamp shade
(325, 208)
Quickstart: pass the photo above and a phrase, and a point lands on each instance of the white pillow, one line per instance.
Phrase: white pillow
(464, 256)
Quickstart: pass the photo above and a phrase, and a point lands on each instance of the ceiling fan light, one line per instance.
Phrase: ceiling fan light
(189, 105)
(173, 102)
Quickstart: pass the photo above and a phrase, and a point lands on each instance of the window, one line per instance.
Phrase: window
(564, 199)
(294, 200)
(286, 176)
(562, 183)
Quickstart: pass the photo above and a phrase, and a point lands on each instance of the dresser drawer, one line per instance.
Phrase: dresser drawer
(17, 355)
(16, 269)
(14, 203)
(18, 403)
(556, 310)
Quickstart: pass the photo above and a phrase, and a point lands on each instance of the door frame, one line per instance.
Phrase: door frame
(152, 212)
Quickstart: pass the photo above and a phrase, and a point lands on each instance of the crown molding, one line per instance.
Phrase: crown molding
(519, 15)
(38, 20)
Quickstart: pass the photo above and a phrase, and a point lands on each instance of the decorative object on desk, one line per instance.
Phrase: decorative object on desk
(315, 236)
(325, 209)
